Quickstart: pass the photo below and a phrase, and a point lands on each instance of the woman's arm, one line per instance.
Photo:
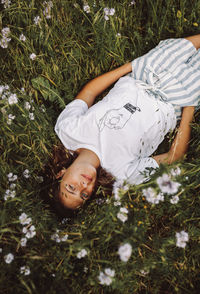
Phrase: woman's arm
(181, 141)
(96, 86)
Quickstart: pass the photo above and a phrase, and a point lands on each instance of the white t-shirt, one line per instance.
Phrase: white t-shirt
(123, 129)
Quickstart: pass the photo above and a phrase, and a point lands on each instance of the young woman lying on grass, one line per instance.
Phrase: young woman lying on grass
(121, 132)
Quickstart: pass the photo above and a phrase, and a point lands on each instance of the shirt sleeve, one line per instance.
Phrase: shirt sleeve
(74, 109)
(140, 170)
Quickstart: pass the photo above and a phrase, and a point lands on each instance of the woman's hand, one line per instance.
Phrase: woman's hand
(181, 141)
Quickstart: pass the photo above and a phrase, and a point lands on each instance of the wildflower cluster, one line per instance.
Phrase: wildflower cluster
(125, 251)
(86, 8)
(28, 106)
(181, 239)
(28, 230)
(37, 20)
(122, 214)
(10, 193)
(108, 12)
(82, 253)
(106, 277)
(59, 237)
(5, 37)
(7, 96)
(47, 9)
(166, 186)
(151, 195)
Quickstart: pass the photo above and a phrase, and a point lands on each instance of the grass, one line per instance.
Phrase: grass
(71, 48)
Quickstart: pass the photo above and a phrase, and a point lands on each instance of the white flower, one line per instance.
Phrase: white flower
(37, 20)
(12, 177)
(132, 3)
(166, 185)
(181, 239)
(23, 242)
(117, 203)
(55, 237)
(118, 35)
(104, 279)
(30, 232)
(123, 217)
(109, 272)
(12, 99)
(9, 258)
(27, 105)
(174, 199)
(64, 221)
(112, 11)
(4, 44)
(118, 187)
(5, 32)
(5, 40)
(6, 3)
(24, 219)
(144, 272)
(25, 270)
(175, 171)
(26, 173)
(47, 10)
(31, 116)
(22, 38)
(81, 253)
(151, 195)
(86, 8)
(106, 10)
(123, 210)
(33, 56)
(125, 251)
(9, 194)
(64, 238)
(11, 117)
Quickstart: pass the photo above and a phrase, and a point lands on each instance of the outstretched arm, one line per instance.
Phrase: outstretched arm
(181, 141)
(96, 86)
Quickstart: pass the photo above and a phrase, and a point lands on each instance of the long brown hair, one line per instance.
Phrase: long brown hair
(63, 158)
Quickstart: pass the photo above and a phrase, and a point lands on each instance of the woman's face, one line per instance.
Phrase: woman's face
(77, 184)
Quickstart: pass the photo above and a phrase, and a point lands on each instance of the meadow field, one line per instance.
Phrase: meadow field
(144, 239)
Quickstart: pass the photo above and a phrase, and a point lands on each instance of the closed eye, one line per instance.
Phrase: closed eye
(70, 189)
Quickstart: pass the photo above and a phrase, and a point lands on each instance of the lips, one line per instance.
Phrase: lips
(87, 177)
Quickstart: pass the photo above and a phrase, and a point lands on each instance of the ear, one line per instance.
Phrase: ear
(60, 173)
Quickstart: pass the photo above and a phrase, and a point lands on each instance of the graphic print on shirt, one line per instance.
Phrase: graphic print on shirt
(117, 118)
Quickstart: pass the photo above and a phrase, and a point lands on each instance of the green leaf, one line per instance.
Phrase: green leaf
(48, 92)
